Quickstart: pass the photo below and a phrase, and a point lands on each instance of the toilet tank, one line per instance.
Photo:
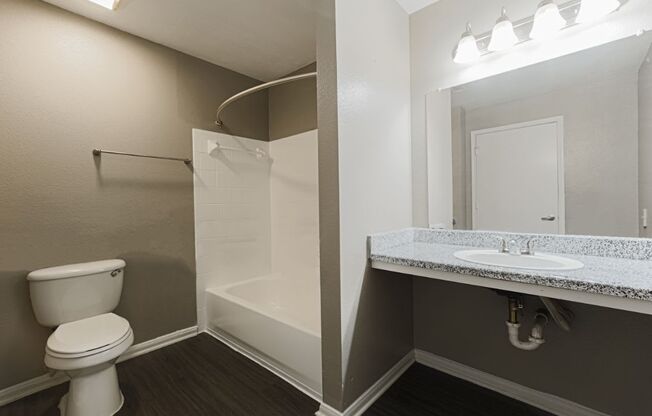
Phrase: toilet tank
(77, 291)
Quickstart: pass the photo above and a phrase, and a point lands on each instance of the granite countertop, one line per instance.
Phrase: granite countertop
(628, 276)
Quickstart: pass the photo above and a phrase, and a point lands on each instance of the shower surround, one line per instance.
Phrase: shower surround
(257, 249)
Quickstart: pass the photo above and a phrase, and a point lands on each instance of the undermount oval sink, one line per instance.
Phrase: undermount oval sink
(533, 262)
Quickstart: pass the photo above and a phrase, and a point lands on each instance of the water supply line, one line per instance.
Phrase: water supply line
(535, 340)
(558, 313)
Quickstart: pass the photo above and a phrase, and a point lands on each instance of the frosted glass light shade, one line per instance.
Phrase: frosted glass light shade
(591, 10)
(109, 4)
(467, 48)
(547, 21)
(502, 35)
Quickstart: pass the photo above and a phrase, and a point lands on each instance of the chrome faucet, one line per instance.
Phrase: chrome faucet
(512, 247)
(529, 248)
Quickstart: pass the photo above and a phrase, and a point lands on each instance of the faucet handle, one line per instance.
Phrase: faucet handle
(503, 245)
(529, 247)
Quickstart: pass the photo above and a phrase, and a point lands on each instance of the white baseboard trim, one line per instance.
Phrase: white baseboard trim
(326, 410)
(544, 401)
(264, 362)
(374, 392)
(158, 343)
(29, 387)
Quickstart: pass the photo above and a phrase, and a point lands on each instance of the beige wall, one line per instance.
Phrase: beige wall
(600, 149)
(293, 106)
(601, 363)
(68, 85)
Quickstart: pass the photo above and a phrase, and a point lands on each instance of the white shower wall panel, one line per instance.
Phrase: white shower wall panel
(257, 249)
(295, 205)
(232, 211)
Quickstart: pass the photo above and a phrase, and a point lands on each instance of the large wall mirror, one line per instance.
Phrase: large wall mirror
(563, 146)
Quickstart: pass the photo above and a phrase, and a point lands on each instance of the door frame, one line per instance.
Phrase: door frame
(561, 190)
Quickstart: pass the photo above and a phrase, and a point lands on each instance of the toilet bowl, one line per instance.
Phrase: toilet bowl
(78, 301)
(86, 351)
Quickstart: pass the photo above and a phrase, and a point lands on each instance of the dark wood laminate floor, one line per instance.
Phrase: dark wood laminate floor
(422, 391)
(197, 377)
(201, 376)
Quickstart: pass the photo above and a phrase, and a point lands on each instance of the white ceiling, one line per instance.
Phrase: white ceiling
(412, 6)
(264, 39)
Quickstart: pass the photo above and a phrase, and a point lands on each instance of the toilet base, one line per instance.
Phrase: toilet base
(93, 392)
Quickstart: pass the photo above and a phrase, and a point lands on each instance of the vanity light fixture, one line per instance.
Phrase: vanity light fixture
(502, 35)
(467, 48)
(547, 21)
(109, 4)
(591, 10)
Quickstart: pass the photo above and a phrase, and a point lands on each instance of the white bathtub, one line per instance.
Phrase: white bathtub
(276, 316)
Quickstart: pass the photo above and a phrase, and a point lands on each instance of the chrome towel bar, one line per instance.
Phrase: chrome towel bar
(98, 152)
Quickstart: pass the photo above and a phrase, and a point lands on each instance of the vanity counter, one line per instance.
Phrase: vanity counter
(617, 272)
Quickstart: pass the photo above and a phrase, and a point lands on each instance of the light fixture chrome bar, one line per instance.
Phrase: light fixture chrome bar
(257, 88)
(98, 152)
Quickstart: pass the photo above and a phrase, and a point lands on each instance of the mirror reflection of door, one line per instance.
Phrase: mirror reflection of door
(517, 177)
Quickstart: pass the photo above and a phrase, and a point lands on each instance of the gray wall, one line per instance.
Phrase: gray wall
(603, 363)
(68, 85)
(293, 106)
(645, 142)
(600, 149)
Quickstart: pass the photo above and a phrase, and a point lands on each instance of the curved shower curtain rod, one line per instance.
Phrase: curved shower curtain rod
(257, 88)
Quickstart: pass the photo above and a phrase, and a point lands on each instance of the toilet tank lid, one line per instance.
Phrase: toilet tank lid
(74, 270)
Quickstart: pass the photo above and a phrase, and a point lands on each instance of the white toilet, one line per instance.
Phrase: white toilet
(78, 300)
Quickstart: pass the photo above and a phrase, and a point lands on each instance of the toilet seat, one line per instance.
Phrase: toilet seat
(88, 336)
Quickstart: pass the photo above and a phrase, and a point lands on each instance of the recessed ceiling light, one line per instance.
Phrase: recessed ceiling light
(109, 4)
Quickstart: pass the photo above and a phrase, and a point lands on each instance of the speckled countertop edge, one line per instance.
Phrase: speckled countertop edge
(618, 247)
(626, 273)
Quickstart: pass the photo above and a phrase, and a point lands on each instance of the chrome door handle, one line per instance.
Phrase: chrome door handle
(549, 218)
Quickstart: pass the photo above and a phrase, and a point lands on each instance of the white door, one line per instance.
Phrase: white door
(518, 177)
